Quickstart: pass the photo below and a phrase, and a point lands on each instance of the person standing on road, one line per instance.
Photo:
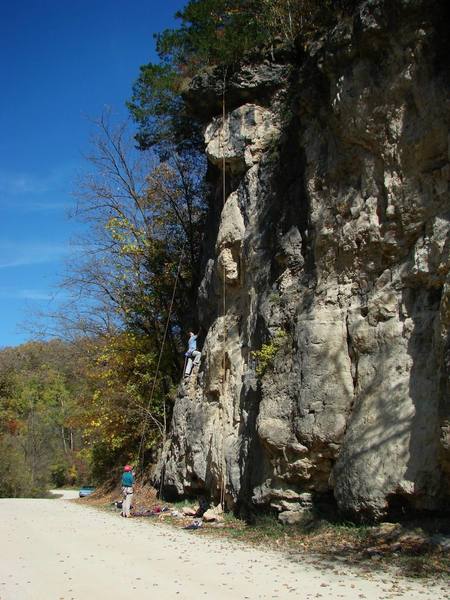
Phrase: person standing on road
(127, 490)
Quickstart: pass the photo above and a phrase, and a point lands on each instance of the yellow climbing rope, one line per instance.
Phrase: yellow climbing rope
(224, 308)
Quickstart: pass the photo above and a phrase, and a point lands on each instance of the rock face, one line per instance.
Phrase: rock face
(326, 299)
(242, 138)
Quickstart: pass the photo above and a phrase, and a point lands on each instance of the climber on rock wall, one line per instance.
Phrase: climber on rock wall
(192, 355)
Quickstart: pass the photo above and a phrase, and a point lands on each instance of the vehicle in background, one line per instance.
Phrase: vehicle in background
(86, 490)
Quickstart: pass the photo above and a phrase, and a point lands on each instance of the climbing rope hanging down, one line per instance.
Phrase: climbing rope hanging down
(224, 304)
(147, 412)
(141, 445)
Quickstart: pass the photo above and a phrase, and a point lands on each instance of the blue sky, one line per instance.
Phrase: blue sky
(61, 61)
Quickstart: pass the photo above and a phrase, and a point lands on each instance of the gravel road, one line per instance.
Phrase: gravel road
(59, 550)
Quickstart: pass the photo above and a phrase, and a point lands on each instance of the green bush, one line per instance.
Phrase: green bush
(266, 355)
(58, 474)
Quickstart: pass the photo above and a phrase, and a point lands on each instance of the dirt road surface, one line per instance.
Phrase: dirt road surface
(60, 550)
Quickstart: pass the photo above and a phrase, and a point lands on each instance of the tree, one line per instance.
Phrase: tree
(217, 34)
(145, 220)
(40, 425)
(143, 215)
(211, 33)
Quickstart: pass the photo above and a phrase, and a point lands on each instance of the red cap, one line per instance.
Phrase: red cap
(127, 468)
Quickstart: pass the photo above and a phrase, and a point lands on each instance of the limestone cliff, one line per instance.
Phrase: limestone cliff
(332, 249)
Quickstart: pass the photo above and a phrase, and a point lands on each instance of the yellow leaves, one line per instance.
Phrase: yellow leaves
(114, 223)
(131, 239)
(130, 249)
(73, 472)
(116, 442)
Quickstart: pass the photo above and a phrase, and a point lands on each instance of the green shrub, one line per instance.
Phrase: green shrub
(58, 474)
(266, 355)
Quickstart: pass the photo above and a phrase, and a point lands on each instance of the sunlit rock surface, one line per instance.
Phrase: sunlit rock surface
(333, 244)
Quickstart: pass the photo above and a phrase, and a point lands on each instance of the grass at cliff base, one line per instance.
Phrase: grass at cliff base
(407, 547)
(410, 548)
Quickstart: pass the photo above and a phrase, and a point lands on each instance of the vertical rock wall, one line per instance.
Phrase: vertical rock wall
(333, 250)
